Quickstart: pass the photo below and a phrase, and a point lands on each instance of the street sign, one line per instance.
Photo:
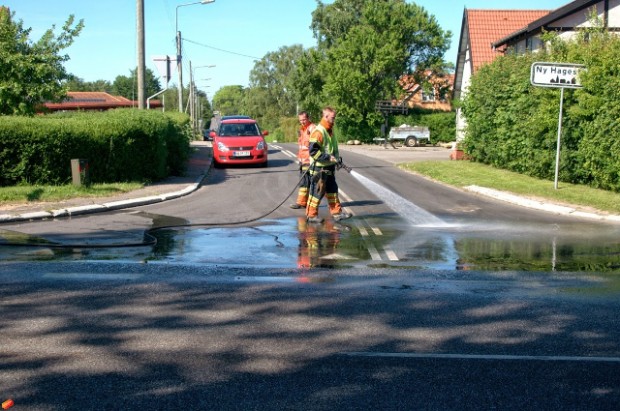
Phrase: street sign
(162, 63)
(565, 75)
(561, 75)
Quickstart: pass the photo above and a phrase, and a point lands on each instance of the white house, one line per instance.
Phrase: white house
(486, 34)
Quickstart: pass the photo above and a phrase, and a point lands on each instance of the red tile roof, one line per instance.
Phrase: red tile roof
(487, 26)
(94, 100)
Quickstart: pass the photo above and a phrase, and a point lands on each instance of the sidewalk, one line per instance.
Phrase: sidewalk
(172, 187)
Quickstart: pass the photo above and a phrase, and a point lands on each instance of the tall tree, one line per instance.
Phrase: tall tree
(228, 100)
(74, 83)
(128, 86)
(365, 47)
(308, 81)
(32, 72)
(271, 93)
(205, 112)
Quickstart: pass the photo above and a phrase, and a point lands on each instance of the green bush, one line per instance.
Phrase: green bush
(513, 125)
(120, 145)
(288, 129)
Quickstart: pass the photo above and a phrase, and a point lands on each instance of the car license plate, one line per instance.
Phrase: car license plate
(241, 154)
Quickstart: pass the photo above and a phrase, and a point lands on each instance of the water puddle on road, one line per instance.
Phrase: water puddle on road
(389, 241)
(385, 241)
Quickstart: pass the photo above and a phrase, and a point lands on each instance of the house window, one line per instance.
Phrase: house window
(428, 96)
(534, 43)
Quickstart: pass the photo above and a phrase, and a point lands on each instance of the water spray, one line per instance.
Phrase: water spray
(415, 215)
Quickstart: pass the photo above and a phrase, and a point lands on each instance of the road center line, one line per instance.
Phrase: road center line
(391, 255)
(374, 254)
(483, 357)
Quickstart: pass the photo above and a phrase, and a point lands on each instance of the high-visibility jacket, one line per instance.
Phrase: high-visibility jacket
(303, 140)
(323, 145)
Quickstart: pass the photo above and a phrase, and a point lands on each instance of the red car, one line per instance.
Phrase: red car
(239, 141)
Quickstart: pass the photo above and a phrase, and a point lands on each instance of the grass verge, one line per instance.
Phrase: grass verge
(464, 173)
(27, 194)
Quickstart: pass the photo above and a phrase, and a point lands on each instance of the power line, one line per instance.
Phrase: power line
(222, 50)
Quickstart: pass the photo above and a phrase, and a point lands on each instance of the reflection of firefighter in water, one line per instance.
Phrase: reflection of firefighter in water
(315, 242)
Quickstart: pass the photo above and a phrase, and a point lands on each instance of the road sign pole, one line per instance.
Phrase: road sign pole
(557, 151)
(558, 75)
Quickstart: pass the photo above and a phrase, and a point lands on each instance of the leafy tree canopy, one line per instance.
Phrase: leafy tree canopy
(364, 47)
(228, 100)
(74, 83)
(127, 86)
(32, 72)
(270, 95)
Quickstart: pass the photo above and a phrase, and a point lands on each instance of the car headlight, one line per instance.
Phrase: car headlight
(221, 146)
(260, 145)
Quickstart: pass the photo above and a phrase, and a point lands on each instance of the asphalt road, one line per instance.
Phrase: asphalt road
(128, 336)
(246, 195)
(83, 330)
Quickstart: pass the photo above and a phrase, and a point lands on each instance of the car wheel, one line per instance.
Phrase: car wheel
(411, 141)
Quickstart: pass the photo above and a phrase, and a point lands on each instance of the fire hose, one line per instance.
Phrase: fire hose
(149, 238)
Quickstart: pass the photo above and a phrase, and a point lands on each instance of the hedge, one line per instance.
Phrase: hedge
(119, 145)
(513, 125)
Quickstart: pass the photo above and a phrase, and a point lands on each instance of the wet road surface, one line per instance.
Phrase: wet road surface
(417, 302)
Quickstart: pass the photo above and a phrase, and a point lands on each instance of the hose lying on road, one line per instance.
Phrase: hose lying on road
(149, 239)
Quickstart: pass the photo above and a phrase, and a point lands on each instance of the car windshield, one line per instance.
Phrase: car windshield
(237, 130)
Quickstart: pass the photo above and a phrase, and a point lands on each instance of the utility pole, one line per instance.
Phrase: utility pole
(179, 51)
(141, 60)
(192, 113)
(180, 71)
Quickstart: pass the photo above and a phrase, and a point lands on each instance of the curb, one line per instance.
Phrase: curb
(539, 205)
(110, 206)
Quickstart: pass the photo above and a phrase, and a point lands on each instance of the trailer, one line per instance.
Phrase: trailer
(410, 136)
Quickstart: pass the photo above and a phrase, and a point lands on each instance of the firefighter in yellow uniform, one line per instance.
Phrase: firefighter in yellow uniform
(324, 158)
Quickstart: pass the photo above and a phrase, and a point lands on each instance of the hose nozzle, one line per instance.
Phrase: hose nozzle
(343, 166)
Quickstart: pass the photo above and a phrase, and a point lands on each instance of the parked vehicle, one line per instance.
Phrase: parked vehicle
(235, 117)
(239, 141)
(411, 136)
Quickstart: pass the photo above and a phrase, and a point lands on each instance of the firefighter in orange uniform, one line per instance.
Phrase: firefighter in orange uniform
(303, 156)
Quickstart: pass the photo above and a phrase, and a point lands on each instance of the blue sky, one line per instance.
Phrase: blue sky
(230, 34)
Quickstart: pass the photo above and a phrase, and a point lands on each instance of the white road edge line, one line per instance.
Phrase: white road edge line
(344, 196)
(483, 357)
(374, 253)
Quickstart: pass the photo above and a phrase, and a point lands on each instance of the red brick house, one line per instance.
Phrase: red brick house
(95, 100)
(435, 95)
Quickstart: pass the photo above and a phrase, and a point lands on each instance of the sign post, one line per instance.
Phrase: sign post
(562, 75)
